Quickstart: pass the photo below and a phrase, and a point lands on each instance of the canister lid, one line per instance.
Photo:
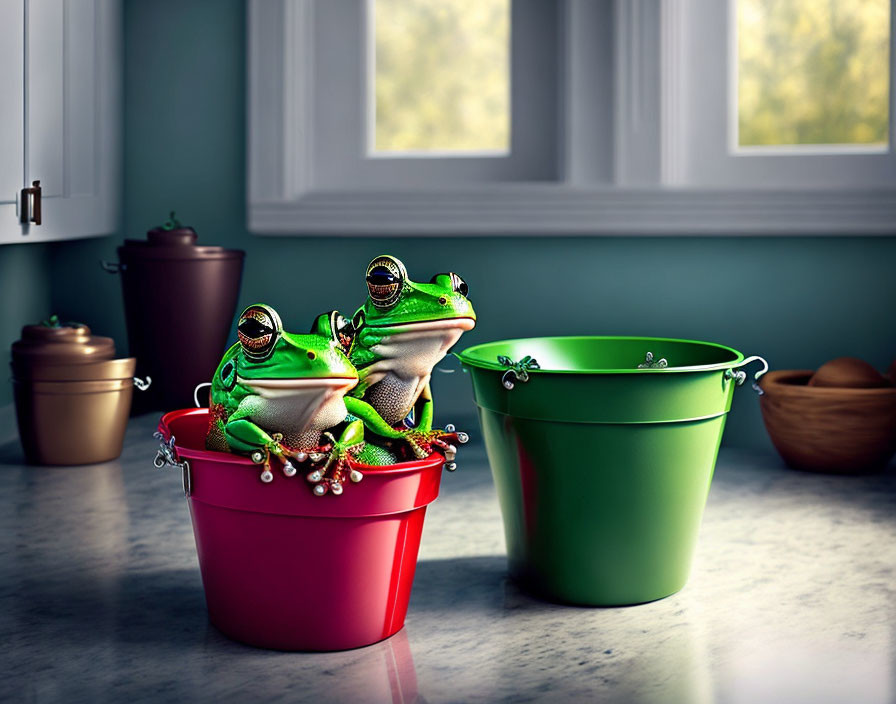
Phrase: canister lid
(174, 237)
(172, 240)
(55, 342)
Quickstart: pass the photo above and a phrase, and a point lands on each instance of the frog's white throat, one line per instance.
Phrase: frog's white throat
(407, 355)
(297, 405)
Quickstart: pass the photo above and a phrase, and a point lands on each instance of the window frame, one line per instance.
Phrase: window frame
(710, 155)
(621, 163)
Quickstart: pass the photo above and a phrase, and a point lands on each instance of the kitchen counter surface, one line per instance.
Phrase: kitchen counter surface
(791, 599)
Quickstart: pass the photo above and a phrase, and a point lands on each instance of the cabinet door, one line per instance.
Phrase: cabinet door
(72, 115)
(12, 109)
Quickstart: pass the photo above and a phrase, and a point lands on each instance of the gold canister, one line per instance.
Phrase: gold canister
(72, 398)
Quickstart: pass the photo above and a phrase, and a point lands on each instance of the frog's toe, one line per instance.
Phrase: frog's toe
(355, 476)
(356, 449)
(289, 469)
(336, 488)
(320, 489)
(315, 476)
(420, 450)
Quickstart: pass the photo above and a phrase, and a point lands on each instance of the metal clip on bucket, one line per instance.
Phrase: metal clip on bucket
(740, 376)
(142, 384)
(166, 456)
(518, 370)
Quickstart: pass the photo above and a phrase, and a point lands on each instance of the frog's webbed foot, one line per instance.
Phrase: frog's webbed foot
(458, 436)
(422, 443)
(262, 456)
(330, 475)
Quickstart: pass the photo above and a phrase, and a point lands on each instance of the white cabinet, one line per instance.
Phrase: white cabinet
(60, 117)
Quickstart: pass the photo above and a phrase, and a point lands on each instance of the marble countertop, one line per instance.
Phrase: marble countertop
(791, 599)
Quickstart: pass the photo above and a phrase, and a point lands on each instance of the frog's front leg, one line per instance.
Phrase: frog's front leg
(420, 438)
(350, 444)
(423, 431)
(423, 410)
(243, 435)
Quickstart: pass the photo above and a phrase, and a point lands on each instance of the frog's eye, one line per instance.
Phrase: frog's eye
(259, 328)
(358, 320)
(335, 326)
(385, 277)
(344, 332)
(457, 283)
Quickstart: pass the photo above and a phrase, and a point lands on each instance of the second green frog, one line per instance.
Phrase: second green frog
(400, 333)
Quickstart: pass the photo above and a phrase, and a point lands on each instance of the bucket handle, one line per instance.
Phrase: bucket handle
(142, 384)
(166, 456)
(196, 393)
(740, 376)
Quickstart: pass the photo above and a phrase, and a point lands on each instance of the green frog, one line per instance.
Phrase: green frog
(277, 394)
(400, 333)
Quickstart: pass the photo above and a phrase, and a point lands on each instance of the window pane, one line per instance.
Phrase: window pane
(813, 72)
(442, 75)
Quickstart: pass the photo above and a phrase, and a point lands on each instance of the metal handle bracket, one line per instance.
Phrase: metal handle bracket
(166, 456)
(519, 371)
(112, 267)
(740, 376)
(142, 384)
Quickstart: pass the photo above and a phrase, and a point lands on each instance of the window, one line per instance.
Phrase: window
(812, 73)
(438, 77)
(571, 117)
(802, 98)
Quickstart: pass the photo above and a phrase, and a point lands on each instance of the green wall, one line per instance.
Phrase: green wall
(24, 297)
(797, 301)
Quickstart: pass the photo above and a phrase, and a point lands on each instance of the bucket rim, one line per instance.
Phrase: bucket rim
(776, 383)
(466, 360)
(433, 461)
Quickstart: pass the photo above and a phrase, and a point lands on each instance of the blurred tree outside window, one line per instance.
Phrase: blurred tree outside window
(813, 72)
(441, 77)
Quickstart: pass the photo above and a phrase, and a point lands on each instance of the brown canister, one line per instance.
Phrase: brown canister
(72, 398)
(179, 301)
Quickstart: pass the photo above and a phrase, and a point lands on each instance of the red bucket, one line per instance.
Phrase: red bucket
(288, 570)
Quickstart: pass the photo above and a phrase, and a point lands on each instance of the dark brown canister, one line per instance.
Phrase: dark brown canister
(72, 399)
(179, 300)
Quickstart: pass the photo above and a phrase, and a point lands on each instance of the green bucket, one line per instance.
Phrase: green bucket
(602, 456)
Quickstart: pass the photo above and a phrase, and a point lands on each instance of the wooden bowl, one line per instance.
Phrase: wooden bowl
(822, 429)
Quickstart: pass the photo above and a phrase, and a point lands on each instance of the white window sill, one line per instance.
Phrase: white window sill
(556, 209)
